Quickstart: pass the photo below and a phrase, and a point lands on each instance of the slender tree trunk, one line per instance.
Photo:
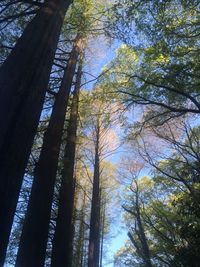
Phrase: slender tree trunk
(35, 231)
(102, 233)
(94, 237)
(23, 82)
(62, 252)
(78, 261)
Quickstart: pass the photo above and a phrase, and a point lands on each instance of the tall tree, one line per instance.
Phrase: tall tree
(62, 251)
(100, 118)
(103, 214)
(22, 97)
(94, 238)
(35, 231)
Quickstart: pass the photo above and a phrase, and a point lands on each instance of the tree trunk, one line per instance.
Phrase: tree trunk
(62, 252)
(142, 236)
(94, 237)
(102, 233)
(35, 231)
(144, 244)
(23, 82)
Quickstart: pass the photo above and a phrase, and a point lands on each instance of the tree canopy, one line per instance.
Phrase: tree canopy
(99, 135)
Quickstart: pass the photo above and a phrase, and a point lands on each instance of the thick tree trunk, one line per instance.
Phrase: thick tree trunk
(94, 237)
(35, 231)
(23, 82)
(62, 251)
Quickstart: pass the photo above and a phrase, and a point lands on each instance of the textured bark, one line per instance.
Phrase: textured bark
(23, 82)
(94, 237)
(62, 251)
(35, 231)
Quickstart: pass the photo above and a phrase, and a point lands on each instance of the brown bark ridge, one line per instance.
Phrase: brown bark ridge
(34, 236)
(62, 252)
(23, 82)
(94, 236)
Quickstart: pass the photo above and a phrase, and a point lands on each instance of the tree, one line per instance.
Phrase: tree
(22, 98)
(165, 196)
(94, 238)
(32, 246)
(100, 115)
(165, 75)
(62, 251)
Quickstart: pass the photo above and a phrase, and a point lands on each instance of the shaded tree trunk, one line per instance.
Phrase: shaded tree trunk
(62, 252)
(24, 79)
(102, 233)
(35, 231)
(94, 237)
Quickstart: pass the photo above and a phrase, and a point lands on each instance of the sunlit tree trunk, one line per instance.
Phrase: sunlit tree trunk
(35, 231)
(24, 80)
(94, 237)
(62, 251)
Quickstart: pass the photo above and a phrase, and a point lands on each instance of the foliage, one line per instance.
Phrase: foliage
(164, 36)
(168, 202)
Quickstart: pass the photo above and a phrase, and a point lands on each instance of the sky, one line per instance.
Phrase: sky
(99, 54)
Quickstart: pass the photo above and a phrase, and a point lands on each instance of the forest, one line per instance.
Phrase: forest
(100, 133)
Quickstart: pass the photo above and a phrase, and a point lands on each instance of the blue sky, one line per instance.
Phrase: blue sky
(100, 54)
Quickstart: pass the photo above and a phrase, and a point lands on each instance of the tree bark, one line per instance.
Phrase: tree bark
(34, 236)
(94, 237)
(142, 237)
(23, 82)
(62, 252)
(102, 233)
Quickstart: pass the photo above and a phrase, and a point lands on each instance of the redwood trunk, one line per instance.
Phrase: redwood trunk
(35, 231)
(94, 238)
(23, 82)
(63, 239)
